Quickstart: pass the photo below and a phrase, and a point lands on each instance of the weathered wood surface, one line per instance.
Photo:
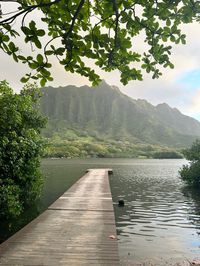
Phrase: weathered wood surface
(75, 230)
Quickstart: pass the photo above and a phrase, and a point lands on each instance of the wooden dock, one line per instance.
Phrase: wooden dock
(77, 229)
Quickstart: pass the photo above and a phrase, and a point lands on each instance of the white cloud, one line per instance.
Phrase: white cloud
(194, 104)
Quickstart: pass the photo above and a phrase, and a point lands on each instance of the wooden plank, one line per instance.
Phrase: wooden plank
(75, 230)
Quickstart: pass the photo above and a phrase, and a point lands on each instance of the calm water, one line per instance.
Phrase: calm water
(161, 220)
(160, 223)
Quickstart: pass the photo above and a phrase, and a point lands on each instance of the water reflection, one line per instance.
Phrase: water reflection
(161, 218)
(160, 221)
(193, 194)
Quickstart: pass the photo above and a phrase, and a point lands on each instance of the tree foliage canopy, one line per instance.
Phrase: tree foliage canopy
(20, 149)
(103, 31)
(191, 173)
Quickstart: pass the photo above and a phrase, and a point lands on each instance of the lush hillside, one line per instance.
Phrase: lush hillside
(105, 112)
(72, 143)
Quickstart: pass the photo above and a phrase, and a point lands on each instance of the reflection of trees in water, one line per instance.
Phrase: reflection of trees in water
(194, 212)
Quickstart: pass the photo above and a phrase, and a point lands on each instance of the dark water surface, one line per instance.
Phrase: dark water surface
(160, 223)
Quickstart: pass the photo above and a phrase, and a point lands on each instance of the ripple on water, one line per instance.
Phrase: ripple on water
(159, 219)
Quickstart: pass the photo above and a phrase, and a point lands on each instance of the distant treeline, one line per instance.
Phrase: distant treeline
(72, 144)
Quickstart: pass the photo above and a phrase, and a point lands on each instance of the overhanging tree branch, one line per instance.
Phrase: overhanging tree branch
(108, 40)
(28, 9)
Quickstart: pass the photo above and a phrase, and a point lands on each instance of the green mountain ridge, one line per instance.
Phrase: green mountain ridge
(107, 112)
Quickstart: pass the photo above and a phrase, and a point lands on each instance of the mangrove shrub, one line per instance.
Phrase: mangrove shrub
(191, 172)
(20, 149)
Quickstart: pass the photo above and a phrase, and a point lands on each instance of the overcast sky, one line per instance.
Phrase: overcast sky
(179, 87)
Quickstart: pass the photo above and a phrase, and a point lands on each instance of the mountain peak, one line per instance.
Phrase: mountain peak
(163, 106)
(105, 110)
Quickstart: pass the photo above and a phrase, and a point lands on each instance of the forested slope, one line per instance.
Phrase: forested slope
(105, 111)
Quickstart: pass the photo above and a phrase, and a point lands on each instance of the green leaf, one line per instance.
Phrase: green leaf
(22, 58)
(40, 32)
(168, 22)
(43, 82)
(50, 78)
(24, 80)
(59, 51)
(12, 47)
(33, 65)
(40, 59)
(32, 25)
(15, 57)
(26, 30)
(37, 43)
(49, 52)
(5, 38)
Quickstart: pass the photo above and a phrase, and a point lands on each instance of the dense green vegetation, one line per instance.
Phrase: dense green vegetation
(105, 113)
(191, 173)
(71, 143)
(20, 149)
(103, 31)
